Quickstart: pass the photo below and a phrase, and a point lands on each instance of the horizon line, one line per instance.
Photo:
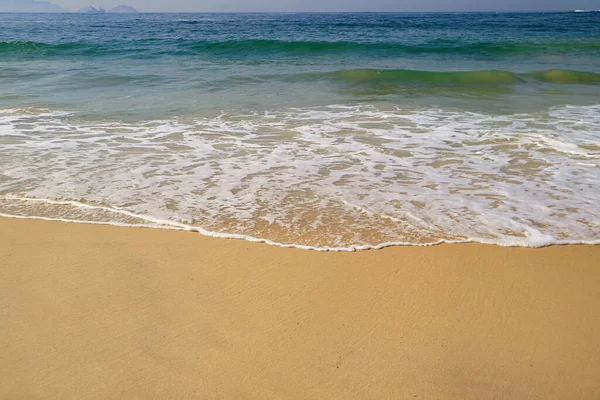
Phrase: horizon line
(312, 12)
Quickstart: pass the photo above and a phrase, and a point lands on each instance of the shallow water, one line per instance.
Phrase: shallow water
(322, 130)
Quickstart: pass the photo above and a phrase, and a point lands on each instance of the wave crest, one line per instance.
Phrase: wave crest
(262, 47)
(481, 77)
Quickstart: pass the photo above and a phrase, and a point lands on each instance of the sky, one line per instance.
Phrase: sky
(335, 5)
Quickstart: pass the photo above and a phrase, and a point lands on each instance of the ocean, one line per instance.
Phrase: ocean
(321, 131)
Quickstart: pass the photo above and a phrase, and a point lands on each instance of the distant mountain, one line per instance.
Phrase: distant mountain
(122, 9)
(92, 10)
(28, 6)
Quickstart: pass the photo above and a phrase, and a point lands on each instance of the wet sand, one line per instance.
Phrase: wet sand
(104, 312)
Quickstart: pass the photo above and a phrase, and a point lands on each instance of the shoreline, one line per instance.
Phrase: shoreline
(99, 311)
(155, 223)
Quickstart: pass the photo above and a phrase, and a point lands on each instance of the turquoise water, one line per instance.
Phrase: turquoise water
(320, 130)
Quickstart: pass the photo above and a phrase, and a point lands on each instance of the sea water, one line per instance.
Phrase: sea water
(326, 131)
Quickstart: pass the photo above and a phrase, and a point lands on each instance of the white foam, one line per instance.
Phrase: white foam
(181, 227)
(331, 178)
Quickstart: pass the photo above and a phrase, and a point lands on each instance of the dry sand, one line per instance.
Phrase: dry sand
(106, 312)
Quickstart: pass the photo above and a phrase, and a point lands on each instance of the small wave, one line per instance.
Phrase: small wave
(440, 46)
(483, 77)
(466, 77)
(561, 76)
(19, 45)
(38, 46)
(29, 48)
(262, 47)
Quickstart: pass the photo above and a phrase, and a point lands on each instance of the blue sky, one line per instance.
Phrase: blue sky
(339, 5)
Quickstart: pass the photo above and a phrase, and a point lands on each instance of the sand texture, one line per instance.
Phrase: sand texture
(101, 312)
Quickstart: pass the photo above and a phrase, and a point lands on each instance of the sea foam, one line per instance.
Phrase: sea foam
(328, 178)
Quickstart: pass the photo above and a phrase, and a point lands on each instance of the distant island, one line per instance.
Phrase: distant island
(118, 9)
(30, 6)
(122, 9)
(92, 10)
(33, 6)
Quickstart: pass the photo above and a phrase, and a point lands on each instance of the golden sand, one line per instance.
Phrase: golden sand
(121, 313)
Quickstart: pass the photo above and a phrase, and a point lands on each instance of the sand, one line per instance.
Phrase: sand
(101, 312)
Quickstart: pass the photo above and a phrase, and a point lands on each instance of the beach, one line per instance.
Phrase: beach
(95, 311)
(300, 205)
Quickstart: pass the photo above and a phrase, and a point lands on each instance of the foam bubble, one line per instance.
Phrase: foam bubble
(337, 177)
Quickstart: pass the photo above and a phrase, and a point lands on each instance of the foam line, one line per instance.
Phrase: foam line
(170, 225)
